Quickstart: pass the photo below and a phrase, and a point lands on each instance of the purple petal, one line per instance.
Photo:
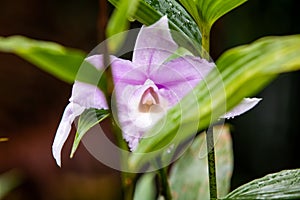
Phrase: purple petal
(88, 96)
(125, 71)
(181, 75)
(245, 105)
(72, 110)
(154, 45)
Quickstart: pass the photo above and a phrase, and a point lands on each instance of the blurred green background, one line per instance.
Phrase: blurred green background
(265, 139)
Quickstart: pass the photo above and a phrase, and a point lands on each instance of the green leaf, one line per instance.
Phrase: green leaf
(145, 187)
(119, 22)
(211, 10)
(87, 120)
(207, 12)
(191, 7)
(149, 11)
(9, 181)
(281, 185)
(189, 175)
(241, 72)
(51, 57)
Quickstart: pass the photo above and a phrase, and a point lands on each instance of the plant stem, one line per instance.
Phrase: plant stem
(128, 180)
(205, 28)
(205, 41)
(102, 19)
(211, 163)
(128, 184)
(164, 183)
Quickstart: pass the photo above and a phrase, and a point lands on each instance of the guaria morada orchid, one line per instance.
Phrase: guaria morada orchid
(145, 88)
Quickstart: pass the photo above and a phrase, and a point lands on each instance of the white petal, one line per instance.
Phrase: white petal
(245, 105)
(97, 61)
(88, 96)
(72, 110)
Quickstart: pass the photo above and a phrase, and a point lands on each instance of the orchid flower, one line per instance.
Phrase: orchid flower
(145, 88)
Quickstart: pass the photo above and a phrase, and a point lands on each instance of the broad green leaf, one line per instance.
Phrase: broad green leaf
(87, 120)
(145, 187)
(211, 10)
(9, 181)
(206, 12)
(51, 57)
(191, 7)
(149, 11)
(241, 72)
(118, 22)
(281, 185)
(189, 175)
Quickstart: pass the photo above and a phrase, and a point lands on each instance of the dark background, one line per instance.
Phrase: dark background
(265, 139)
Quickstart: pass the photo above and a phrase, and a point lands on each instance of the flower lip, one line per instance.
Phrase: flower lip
(149, 98)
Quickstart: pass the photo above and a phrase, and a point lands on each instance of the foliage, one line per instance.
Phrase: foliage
(9, 181)
(189, 175)
(87, 120)
(60, 61)
(149, 11)
(281, 185)
(240, 72)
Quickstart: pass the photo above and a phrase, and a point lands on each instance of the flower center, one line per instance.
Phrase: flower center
(149, 99)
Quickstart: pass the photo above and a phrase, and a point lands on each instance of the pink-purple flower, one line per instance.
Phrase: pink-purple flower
(145, 88)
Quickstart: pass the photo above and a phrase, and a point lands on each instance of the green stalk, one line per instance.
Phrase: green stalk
(164, 184)
(128, 185)
(128, 180)
(205, 41)
(211, 163)
(205, 28)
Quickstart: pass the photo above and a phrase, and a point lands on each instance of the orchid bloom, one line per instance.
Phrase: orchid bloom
(145, 88)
